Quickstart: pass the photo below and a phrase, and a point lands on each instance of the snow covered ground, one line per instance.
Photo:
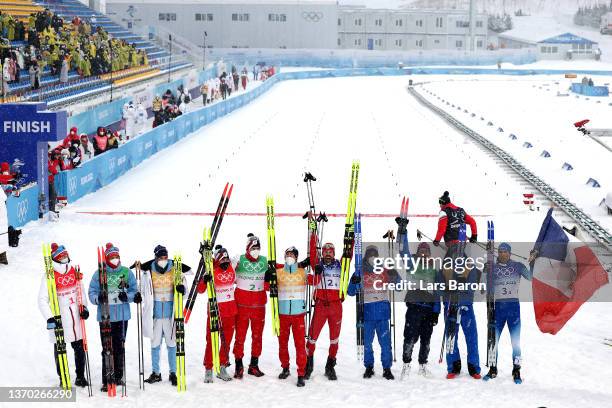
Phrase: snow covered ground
(320, 126)
(532, 110)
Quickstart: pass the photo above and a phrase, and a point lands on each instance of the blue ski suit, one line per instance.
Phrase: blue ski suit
(466, 320)
(377, 313)
(506, 281)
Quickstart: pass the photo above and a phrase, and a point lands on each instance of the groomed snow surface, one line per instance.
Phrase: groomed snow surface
(320, 126)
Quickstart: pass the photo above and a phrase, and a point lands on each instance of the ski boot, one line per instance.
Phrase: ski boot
(424, 371)
(516, 374)
(491, 374)
(153, 378)
(284, 374)
(309, 367)
(330, 371)
(103, 389)
(208, 377)
(300, 381)
(455, 371)
(172, 378)
(239, 371)
(474, 372)
(223, 374)
(3, 259)
(405, 371)
(81, 382)
(254, 368)
(387, 374)
(369, 372)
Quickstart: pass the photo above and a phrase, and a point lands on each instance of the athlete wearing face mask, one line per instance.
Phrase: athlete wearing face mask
(251, 287)
(122, 290)
(158, 286)
(292, 280)
(224, 280)
(68, 284)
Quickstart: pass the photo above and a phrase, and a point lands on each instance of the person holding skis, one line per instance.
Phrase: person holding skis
(224, 280)
(507, 280)
(292, 280)
(422, 311)
(460, 303)
(122, 291)
(376, 311)
(450, 219)
(68, 284)
(327, 309)
(251, 285)
(157, 285)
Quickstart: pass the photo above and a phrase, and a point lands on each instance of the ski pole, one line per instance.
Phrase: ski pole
(139, 327)
(83, 330)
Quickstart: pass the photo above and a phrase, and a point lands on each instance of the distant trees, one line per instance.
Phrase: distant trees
(591, 16)
(500, 23)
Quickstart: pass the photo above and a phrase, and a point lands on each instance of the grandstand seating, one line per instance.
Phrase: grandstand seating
(55, 93)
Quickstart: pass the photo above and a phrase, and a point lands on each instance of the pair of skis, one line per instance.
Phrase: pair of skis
(179, 325)
(349, 232)
(214, 231)
(60, 342)
(272, 265)
(105, 326)
(213, 306)
(81, 307)
(359, 309)
(491, 319)
(453, 313)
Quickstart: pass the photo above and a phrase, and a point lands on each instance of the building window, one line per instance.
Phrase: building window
(398, 43)
(554, 50)
(358, 41)
(240, 17)
(282, 18)
(357, 21)
(399, 23)
(339, 21)
(203, 17)
(419, 23)
(339, 42)
(479, 44)
(378, 22)
(378, 43)
(419, 43)
(436, 41)
(167, 16)
(479, 24)
(459, 44)
(439, 21)
(462, 24)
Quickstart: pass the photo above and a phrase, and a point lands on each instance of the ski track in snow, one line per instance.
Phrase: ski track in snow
(320, 126)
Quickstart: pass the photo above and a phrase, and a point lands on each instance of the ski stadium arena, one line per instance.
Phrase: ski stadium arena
(507, 136)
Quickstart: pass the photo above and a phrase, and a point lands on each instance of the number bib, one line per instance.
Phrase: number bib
(250, 275)
(330, 278)
(507, 282)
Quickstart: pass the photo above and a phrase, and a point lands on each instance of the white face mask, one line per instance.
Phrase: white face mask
(254, 253)
(114, 262)
(289, 261)
(60, 266)
(162, 263)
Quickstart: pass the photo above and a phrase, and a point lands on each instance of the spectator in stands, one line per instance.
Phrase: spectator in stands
(236, 78)
(7, 179)
(73, 135)
(223, 81)
(65, 160)
(141, 118)
(204, 92)
(87, 152)
(100, 142)
(255, 72)
(64, 70)
(591, 82)
(129, 119)
(244, 76)
(114, 139)
(75, 155)
(35, 75)
(6, 77)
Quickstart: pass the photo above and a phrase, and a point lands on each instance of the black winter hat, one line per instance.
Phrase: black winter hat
(445, 199)
(293, 251)
(160, 251)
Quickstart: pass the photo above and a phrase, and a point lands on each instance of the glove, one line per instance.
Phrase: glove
(355, 280)
(123, 297)
(269, 274)
(207, 277)
(51, 323)
(434, 319)
(318, 269)
(304, 263)
(436, 243)
(180, 289)
(100, 298)
(474, 238)
(84, 313)
(137, 298)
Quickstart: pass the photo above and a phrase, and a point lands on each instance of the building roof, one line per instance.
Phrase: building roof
(536, 29)
(567, 38)
(221, 2)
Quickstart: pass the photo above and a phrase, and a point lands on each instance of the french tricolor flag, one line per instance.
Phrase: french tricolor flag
(566, 273)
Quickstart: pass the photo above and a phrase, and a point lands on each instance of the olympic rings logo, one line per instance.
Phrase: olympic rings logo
(505, 272)
(290, 278)
(224, 277)
(22, 211)
(251, 267)
(65, 280)
(312, 16)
